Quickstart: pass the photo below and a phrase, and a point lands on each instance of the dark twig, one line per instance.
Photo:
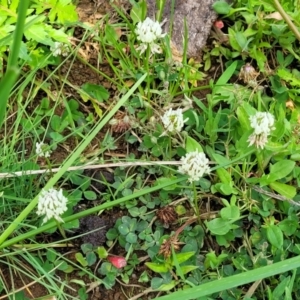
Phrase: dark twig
(275, 196)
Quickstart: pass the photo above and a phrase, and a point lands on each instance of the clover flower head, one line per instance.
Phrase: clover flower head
(148, 32)
(258, 140)
(173, 120)
(263, 124)
(52, 203)
(60, 49)
(41, 150)
(194, 164)
(248, 74)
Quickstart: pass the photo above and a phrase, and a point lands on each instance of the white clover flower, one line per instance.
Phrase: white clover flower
(258, 140)
(148, 32)
(263, 124)
(60, 49)
(40, 150)
(52, 203)
(194, 164)
(173, 120)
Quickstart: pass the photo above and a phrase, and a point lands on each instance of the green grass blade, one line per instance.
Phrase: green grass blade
(12, 72)
(227, 74)
(235, 280)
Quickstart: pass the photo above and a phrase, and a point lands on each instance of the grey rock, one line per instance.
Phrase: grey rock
(199, 16)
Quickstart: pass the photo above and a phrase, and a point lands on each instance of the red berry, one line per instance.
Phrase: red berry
(117, 261)
(219, 24)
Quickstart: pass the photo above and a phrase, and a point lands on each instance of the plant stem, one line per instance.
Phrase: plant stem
(287, 18)
(61, 230)
(12, 72)
(196, 202)
(147, 71)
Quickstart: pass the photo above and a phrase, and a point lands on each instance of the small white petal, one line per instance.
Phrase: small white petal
(148, 32)
(259, 140)
(195, 165)
(60, 49)
(40, 150)
(173, 120)
(263, 124)
(52, 204)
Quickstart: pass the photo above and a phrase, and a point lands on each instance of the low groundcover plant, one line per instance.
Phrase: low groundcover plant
(189, 190)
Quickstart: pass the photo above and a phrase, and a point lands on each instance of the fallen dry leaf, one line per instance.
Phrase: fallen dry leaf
(290, 104)
(275, 15)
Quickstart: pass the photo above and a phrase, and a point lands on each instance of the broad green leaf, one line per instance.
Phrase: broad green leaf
(66, 268)
(224, 175)
(158, 268)
(112, 36)
(86, 248)
(63, 13)
(123, 229)
(71, 225)
(283, 189)
(230, 213)
(95, 91)
(259, 56)
(91, 258)
(192, 145)
(187, 269)
(131, 238)
(221, 7)
(38, 33)
(61, 265)
(275, 147)
(55, 123)
(224, 189)
(156, 282)
(162, 180)
(275, 236)
(241, 40)
(51, 255)
(102, 253)
(58, 35)
(243, 118)
(138, 12)
(79, 257)
(90, 195)
(280, 288)
(182, 257)
(227, 74)
(232, 40)
(218, 226)
(220, 159)
(282, 168)
(289, 227)
(288, 76)
(167, 286)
